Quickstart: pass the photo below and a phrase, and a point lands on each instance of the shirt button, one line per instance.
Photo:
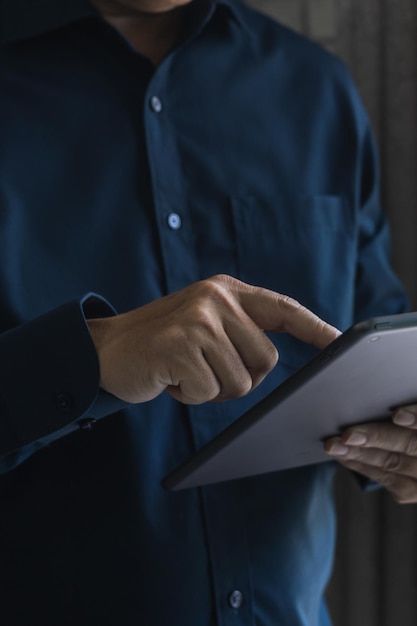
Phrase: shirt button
(87, 423)
(156, 104)
(174, 221)
(65, 402)
(235, 599)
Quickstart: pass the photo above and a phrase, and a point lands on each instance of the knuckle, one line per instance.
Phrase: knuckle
(214, 289)
(201, 316)
(200, 392)
(354, 454)
(411, 444)
(210, 394)
(219, 278)
(267, 360)
(219, 282)
(393, 462)
(264, 365)
(320, 326)
(288, 303)
(240, 388)
(376, 438)
(266, 349)
(172, 337)
(206, 286)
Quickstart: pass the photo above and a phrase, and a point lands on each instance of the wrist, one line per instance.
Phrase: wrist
(100, 331)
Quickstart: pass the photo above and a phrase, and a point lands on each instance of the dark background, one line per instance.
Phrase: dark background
(375, 575)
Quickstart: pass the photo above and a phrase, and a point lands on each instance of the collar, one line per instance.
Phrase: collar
(238, 13)
(24, 19)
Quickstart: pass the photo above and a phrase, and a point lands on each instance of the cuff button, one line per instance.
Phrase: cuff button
(86, 423)
(65, 402)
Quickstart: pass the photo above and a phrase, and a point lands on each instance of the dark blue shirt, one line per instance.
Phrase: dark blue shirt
(247, 152)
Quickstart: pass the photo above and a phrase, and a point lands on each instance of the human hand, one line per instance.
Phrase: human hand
(384, 452)
(205, 342)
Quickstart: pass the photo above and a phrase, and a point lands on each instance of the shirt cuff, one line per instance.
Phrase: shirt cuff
(49, 379)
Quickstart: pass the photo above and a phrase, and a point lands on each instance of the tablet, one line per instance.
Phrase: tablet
(362, 376)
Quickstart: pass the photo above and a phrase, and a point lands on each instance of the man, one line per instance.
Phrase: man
(191, 149)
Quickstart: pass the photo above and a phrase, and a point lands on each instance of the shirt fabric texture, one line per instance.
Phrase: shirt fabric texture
(246, 152)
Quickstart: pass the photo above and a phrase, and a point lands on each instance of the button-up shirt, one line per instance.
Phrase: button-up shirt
(246, 152)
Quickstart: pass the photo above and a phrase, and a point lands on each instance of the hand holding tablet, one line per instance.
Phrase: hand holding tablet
(384, 452)
(363, 376)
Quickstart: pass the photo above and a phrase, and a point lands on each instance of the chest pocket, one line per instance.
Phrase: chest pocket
(303, 246)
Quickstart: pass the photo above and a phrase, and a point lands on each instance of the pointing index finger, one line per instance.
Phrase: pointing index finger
(275, 312)
(302, 323)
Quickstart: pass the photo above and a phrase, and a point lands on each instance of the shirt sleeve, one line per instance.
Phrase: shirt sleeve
(378, 289)
(49, 379)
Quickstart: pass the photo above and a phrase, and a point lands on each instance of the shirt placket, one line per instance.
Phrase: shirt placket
(226, 535)
(220, 508)
(172, 215)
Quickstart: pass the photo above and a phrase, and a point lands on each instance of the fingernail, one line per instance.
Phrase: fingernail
(338, 449)
(356, 439)
(404, 418)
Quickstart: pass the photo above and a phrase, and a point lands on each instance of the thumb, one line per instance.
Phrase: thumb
(282, 314)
